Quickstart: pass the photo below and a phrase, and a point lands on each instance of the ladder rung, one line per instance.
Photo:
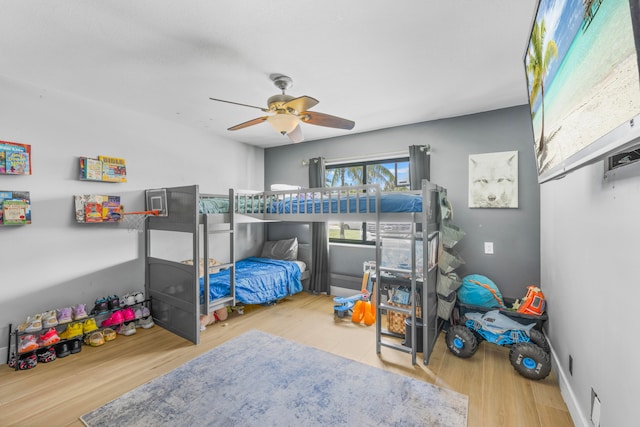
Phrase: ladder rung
(397, 309)
(396, 346)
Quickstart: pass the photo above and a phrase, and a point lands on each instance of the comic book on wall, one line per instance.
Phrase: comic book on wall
(20, 163)
(21, 209)
(114, 169)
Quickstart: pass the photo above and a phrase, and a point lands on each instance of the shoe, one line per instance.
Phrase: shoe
(95, 339)
(49, 319)
(128, 299)
(101, 306)
(79, 312)
(127, 329)
(27, 362)
(64, 315)
(109, 334)
(49, 338)
(27, 343)
(76, 346)
(145, 312)
(33, 324)
(115, 318)
(46, 355)
(145, 322)
(137, 313)
(73, 330)
(13, 361)
(113, 302)
(89, 325)
(138, 296)
(128, 314)
(62, 349)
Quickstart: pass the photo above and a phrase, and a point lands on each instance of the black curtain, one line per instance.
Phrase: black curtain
(319, 282)
(419, 165)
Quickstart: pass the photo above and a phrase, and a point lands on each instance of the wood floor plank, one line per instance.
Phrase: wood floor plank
(59, 393)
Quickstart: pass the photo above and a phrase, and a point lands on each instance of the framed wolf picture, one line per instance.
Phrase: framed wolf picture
(493, 180)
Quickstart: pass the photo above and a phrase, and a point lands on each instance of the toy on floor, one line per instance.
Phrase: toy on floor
(533, 302)
(213, 317)
(529, 354)
(359, 305)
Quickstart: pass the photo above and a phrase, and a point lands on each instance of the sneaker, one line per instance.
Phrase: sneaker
(113, 302)
(109, 334)
(62, 349)
(49, 319)
(76, 346)
(101, 306)
(46, 355)
(115, 319)
(128, 299)
(48, 338)
(137, 313)
(145, 312)
(95, 339)
(27, 343)
(127, 329)
(145, 323)
(138, 296)
(64, 315)
(27, 362)
(89, 325)
(79, 312)
(128, 314)
(73, 330)
(33, 324)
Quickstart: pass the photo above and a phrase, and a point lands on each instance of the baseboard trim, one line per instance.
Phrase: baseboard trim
(577, 416)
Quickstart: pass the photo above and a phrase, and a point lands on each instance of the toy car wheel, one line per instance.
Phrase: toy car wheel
(461, 341)
(540, 340)
(463, 321)
(530, 361)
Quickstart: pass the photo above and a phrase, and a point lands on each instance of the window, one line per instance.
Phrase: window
(390, 174)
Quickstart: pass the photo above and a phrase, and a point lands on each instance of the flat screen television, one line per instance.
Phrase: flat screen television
(583, 82)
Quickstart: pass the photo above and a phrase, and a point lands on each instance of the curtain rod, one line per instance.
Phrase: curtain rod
(379, 156)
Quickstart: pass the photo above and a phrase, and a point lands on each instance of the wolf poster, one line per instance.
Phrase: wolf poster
(493, 180)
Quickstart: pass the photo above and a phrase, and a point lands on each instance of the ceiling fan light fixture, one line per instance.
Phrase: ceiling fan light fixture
(283, 123)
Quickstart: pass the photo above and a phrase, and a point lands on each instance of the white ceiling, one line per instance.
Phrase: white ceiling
(378, 63)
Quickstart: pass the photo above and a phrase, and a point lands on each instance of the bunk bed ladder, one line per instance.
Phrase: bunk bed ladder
(388, 276)
(209, 229)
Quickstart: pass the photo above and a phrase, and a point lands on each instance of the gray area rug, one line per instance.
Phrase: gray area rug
(258, 379)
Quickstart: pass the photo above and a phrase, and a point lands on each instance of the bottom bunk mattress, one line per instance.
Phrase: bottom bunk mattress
(258, 281)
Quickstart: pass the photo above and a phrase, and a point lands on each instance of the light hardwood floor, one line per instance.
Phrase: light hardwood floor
(58, 393)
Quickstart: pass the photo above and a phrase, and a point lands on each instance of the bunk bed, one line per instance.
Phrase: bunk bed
(353, 203)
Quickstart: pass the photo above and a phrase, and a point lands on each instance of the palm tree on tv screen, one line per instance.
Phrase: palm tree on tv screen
(540, 56)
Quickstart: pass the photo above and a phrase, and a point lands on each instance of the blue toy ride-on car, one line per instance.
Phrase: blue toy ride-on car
(529, 354)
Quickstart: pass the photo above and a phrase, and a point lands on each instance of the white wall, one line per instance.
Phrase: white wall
(589, 251)
(55, 262)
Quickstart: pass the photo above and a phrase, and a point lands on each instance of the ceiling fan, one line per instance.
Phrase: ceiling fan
(285, 113)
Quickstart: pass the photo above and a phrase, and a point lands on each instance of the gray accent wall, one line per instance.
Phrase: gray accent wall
(514, 232)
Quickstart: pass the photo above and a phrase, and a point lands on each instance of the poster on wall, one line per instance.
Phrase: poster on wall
(493, 180)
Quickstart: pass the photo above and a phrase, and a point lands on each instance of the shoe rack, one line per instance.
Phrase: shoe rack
(92, 322)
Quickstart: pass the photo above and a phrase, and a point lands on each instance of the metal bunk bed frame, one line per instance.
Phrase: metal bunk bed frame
(174, 286)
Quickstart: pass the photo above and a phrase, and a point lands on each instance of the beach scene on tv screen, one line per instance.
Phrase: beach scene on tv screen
(582, 75)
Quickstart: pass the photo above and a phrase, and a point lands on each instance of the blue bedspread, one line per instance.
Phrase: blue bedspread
(389, 202)
(258, 281)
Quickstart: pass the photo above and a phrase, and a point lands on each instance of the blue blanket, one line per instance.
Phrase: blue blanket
(258, 281)
(389, 202)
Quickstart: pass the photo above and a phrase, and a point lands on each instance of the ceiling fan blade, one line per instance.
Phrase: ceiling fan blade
(249, 123)
(300, 104)
(237, 103)
(296, 135)
(321, 119)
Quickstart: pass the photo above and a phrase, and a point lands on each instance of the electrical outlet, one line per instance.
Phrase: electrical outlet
(488, 248)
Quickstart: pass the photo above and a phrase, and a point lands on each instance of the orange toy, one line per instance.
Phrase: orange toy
(358, 312)
(533, 302)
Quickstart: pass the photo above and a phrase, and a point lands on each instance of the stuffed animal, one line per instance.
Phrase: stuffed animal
(213, 317)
